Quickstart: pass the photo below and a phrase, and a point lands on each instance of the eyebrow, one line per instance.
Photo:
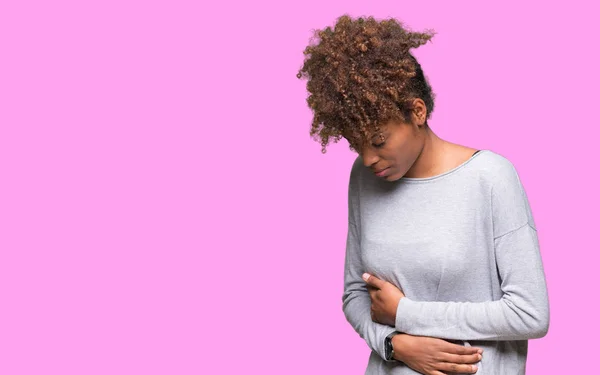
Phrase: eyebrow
(384, 132)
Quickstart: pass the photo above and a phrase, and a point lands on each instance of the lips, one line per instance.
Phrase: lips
(381, 172)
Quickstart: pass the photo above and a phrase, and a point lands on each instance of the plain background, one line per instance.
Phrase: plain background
(164, 211)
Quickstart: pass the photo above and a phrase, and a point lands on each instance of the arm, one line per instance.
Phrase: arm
(523, 311)
(426, 355)
(355, 299)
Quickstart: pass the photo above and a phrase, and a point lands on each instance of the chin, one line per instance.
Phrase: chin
(396, 175)
(393, 177)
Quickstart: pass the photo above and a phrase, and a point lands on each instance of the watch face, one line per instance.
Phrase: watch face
(388, 348)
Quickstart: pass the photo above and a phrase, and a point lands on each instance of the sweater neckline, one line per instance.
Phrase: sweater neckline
(442, 175)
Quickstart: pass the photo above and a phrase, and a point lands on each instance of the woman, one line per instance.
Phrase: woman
(443, 271)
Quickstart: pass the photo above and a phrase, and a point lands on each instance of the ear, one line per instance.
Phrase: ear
(419, 112)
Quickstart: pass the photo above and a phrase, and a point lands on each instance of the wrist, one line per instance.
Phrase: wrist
(397, 345)
(389, 352)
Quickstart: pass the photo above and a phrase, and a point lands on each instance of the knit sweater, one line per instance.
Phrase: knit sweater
(463, 248)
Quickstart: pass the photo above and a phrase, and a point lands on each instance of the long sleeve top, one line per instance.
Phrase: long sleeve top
(463, 248)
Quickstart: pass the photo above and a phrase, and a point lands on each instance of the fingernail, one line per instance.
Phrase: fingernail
(474, 368)
(479, 351)
(479, 356)
(365, 276)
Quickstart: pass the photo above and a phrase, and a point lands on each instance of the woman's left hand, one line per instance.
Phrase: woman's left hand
(385, 297)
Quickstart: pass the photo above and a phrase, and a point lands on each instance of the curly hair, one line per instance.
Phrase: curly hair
(360, 74)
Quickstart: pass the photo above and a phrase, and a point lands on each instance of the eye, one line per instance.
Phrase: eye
(379, 145)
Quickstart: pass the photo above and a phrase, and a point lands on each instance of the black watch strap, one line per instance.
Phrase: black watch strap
(389, 349)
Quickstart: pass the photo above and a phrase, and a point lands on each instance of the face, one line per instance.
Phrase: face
(392, 156)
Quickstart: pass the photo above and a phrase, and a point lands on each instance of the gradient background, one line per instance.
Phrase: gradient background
(164, 211)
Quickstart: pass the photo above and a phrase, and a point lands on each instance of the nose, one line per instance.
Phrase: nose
(369, 156)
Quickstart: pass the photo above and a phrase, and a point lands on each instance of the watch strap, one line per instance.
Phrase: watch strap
(389, 349)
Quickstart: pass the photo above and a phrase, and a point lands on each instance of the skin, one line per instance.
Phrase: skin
(427, 355)
(411, 149)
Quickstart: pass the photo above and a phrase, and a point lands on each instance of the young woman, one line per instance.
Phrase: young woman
(443, 270)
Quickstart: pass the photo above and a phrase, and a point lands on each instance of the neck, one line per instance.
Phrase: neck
(430, 161)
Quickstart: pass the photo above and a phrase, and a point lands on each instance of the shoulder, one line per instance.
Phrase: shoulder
(357, 164)
(510, 204)
(495, 168)
(356, 170)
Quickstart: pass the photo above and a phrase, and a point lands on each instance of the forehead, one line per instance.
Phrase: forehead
(384, 127)
(370, 134)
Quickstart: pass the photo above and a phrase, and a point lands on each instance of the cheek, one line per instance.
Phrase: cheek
(399, 169)
(409, 153)
(401, 162)
(401, 159)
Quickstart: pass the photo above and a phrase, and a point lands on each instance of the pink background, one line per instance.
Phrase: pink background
(164, 211)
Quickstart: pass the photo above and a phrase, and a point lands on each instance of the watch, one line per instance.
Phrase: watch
(389, 349)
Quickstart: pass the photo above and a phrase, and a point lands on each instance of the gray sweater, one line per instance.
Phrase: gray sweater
(463, 248)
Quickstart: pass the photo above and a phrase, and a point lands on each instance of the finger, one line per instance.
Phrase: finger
(454, 367)
(372, 292)
(373, 281)
(373, 317)
(460, 359)
(459, 349)
(371, 288)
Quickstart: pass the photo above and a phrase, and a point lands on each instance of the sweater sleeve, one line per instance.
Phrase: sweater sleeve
(356, 302)
(522, 312)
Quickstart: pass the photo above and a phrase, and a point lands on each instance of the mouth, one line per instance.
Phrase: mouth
(381, 172)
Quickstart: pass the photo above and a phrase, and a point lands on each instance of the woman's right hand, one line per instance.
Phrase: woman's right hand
(433, 356)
